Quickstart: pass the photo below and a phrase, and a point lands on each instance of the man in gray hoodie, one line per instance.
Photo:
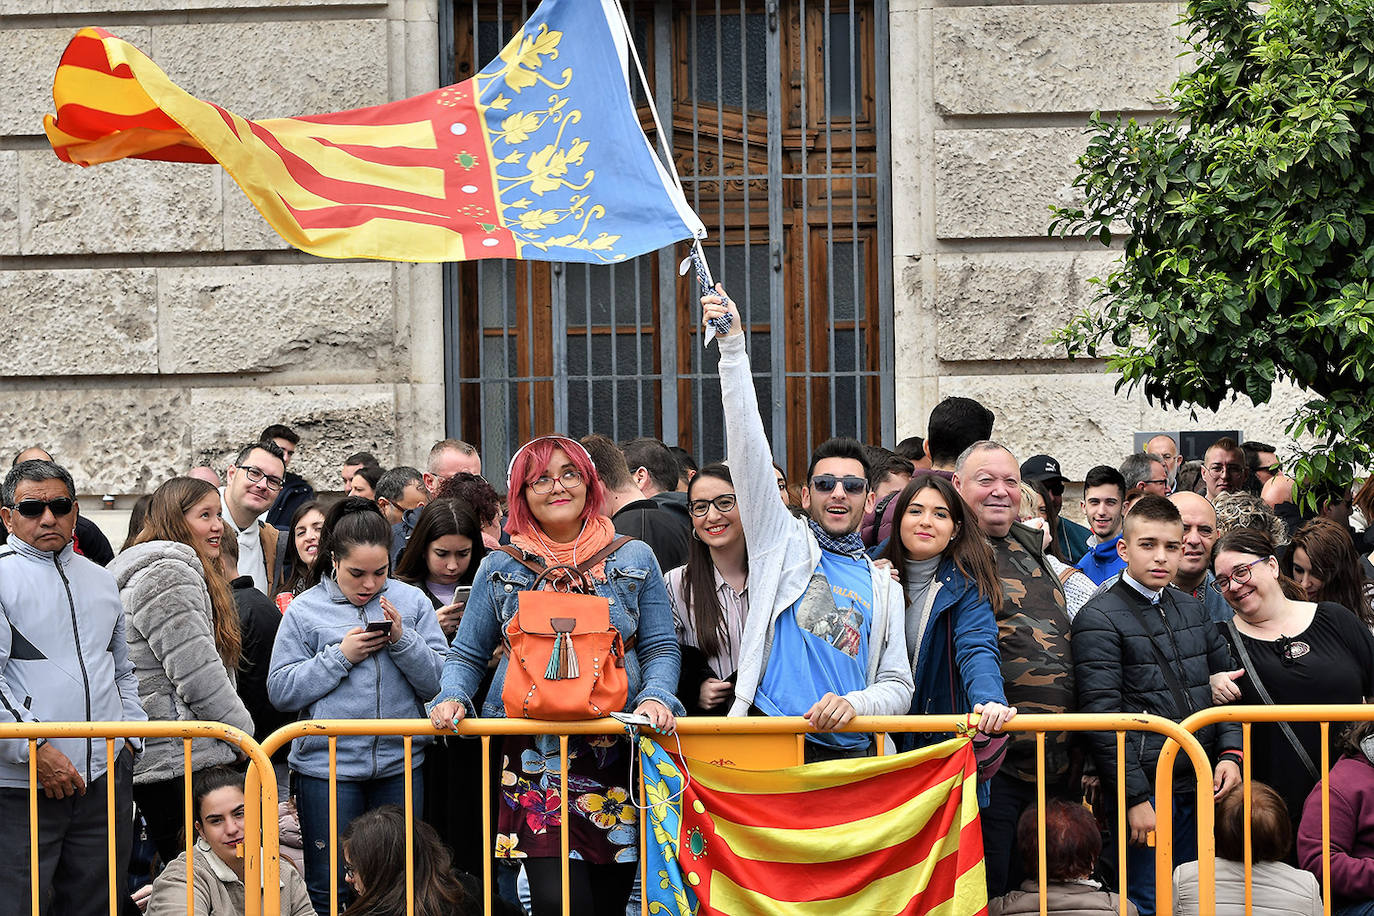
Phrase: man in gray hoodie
(62, 658)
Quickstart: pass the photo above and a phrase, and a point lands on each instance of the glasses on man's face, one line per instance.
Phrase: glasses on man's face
(34, 508)
(1156, 480)
(1240, 575)
(825, 483)
(723, 503)
(570, 479)
(255, 475)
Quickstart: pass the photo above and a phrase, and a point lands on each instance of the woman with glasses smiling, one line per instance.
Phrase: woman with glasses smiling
(708, 596)
(1287, 651)
(556, 502)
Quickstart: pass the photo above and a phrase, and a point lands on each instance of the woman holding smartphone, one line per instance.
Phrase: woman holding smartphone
(355, 642)
(440, 559)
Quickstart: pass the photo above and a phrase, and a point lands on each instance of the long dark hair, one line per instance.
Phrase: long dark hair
(970, 552)
(375, 844)
(1334, 560)
(295, 569)
(351, 522)
(699, 578)
(1043, 492)
(440, 519)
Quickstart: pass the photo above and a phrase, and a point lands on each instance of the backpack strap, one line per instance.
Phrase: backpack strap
(519, 556)
(620, 541)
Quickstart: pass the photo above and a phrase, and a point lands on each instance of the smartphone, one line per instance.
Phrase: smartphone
(379, 626)
(461, 594)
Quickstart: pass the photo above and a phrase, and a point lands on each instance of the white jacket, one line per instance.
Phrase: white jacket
(1276, 889)
(783, 555)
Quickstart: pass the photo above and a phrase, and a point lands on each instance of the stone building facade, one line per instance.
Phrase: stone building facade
(152, 320)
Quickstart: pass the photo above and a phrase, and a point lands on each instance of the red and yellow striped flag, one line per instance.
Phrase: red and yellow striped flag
(885, 835)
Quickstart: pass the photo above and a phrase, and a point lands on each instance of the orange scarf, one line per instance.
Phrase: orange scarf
(596, 535)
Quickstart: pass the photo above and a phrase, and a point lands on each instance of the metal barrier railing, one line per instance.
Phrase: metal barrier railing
(1325, 715)
(486, 729)
(262, 861)
(259, 859)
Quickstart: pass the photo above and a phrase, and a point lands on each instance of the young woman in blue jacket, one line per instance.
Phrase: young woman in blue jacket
(949, 576)
(335, 657)
(555, 519)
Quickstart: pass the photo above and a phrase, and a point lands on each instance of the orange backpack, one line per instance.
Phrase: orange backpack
(564, 658)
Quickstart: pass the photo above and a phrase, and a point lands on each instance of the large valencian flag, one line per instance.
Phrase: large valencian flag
(539, 156)
(885, 835)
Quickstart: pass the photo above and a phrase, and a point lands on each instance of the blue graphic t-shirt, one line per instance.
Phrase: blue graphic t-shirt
(820, 645)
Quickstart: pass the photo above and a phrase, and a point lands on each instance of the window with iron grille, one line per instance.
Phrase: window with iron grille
(777, 120)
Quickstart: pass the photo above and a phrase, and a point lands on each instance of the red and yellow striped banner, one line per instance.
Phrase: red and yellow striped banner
(887, 835)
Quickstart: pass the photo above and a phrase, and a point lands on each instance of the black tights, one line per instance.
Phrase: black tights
(595, 889)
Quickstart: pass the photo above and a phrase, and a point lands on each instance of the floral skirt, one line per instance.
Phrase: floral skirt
(604, 825)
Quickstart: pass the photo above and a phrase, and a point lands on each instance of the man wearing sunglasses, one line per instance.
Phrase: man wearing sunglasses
(63, 658)
(88, 540)
(253, 482)
(825, 635)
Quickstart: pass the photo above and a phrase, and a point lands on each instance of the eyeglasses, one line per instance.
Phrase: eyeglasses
(1240, 576)
(723, 503)
(34, 508)
(1156, 480)
(570, 479)
(825, 483)
(256, 476)
(349, 870)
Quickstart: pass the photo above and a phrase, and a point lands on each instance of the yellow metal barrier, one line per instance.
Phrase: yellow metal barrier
(260, 862)
(781, 741)
(699, 728)
(1248, 715)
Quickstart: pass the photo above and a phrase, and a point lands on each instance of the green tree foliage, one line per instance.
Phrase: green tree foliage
(1250, 252)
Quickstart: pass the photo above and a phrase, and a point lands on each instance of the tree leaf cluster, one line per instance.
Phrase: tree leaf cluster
(1249, 249)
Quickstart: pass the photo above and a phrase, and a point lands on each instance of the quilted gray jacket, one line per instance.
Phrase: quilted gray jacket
(172, 645)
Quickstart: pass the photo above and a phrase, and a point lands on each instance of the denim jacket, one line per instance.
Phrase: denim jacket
(639, 609)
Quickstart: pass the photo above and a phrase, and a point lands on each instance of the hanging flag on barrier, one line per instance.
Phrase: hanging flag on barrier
(539, 156)
(897, 834)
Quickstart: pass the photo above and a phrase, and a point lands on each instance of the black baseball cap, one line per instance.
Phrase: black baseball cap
(1042, 468)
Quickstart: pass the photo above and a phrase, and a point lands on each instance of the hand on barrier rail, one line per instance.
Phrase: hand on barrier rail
(1223, 684)
(57, 775)
(993, 717)
(830, 712)
(659, 716)
(447, 714)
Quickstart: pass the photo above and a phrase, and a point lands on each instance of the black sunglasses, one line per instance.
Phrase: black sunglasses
(825, 483)
(34, 508)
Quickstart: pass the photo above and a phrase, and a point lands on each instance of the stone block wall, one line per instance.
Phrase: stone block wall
(1003, 91)
(152, 320)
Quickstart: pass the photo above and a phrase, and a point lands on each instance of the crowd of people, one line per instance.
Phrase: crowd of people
(940, 577)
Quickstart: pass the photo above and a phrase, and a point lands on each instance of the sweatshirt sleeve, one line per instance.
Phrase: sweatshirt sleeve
(169, 607)
(1352, 876)
(299, 675)
(419, 653)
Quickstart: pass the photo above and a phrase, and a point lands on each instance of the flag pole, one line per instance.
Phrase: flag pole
(697, 258)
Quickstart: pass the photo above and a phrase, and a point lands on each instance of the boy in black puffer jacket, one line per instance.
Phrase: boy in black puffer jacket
(1142, 646)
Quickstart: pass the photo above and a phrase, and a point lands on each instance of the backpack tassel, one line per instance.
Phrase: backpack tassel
(563, 660)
